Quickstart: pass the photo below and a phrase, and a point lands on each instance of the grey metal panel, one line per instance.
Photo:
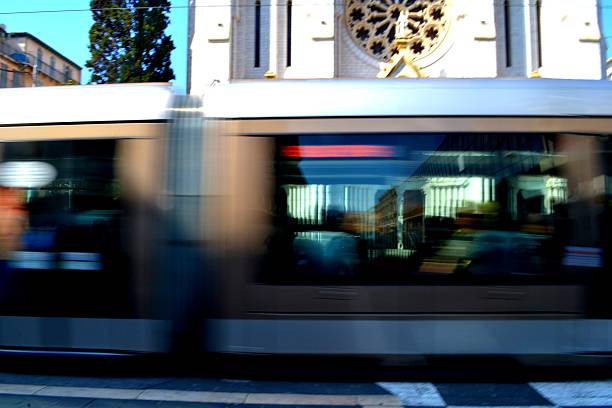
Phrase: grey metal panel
(278, 299)
(593, 336)
(132, 335)
(180, 253)
(396, 337)
(184, 167)
(434, 97)
(500, 337)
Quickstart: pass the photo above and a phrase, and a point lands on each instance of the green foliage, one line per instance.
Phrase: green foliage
(127, 41)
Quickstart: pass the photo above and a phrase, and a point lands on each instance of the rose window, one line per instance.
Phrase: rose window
(372, 25)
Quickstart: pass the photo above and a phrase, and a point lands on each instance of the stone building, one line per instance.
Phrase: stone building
(26, 60)
(247, 39)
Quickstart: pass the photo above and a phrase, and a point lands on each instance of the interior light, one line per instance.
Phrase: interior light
(26, 174)
(338, 151)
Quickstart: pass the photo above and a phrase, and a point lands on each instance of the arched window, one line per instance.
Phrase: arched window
(289, 25)
(257, 35)
(508, 33)
(17, 79)
(538, 42)
(67, 73)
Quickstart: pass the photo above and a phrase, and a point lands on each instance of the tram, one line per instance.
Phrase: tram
(80, 176)
(411, 217)
(336, 217)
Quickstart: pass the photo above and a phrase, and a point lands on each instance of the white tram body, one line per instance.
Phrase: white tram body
(480, 211)
(80, 279)
(310, 217)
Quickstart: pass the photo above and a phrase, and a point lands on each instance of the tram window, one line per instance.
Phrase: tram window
(62, 238)
(438, 209)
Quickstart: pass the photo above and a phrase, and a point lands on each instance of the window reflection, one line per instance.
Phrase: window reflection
(62, 229)
(438, 208)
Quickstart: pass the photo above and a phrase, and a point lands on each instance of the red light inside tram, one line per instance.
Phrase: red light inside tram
(338, 151)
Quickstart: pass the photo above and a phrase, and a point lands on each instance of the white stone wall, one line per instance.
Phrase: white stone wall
(571, 39)
(470, 49)
(223, 41)
(210, 47)
(313, 40)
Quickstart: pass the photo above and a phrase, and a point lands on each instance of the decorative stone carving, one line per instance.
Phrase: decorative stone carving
(402, 25)
(373, 24)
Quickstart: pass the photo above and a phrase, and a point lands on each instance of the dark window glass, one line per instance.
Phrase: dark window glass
(438, 208)
(67, 74)
(17, 79)
(39, 57)
(508, 33)
(63, 230)
(257, 36)
(289, 30)
(538, 17)
(19, 56)
(3, 75)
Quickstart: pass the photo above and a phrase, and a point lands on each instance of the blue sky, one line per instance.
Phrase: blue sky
(606, 24)
(68, 32)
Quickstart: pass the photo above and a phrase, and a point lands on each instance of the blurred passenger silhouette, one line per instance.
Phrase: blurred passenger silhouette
(13, 223)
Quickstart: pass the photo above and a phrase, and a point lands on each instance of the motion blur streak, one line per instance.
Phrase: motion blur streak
(338, 151)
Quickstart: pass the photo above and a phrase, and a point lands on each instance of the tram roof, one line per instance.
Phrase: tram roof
(84, 104)
(407, 98)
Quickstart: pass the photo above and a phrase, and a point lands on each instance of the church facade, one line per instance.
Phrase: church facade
(290, 39)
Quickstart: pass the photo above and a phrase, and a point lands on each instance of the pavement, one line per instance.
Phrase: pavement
(42, 391)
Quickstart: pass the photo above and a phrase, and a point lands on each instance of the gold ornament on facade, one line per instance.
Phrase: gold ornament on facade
(534, 74)
(401, 64)
(373, 25)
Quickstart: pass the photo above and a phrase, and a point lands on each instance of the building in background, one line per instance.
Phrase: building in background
(10, 69)
(247, 39)
(27, 61)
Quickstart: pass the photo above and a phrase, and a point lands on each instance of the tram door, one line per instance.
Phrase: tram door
(75, 220)
(446, 223)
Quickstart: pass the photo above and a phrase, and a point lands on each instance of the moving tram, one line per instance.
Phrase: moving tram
(80, 176)
(309, 217)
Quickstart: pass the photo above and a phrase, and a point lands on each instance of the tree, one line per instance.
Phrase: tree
(128, 43)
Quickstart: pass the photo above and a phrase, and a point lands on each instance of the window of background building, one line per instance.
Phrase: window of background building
(437, 208)
(39, 57)
(3, 75)
(17, 79)
(67, 74)
(52, 63)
